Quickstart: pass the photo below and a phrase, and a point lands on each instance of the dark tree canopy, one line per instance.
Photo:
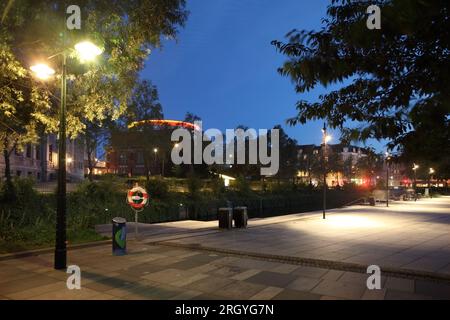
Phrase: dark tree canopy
(396, 80)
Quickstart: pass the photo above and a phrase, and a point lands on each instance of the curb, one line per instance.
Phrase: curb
(328, 264)
(36, 252)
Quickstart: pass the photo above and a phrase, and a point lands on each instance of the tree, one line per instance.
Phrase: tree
(144, 105)
(370, 164)
(288, 155)
(126, 30)
(23, 109)
(335, 164)
(396, 80)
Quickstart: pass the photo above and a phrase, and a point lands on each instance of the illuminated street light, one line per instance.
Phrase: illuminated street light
(388, 157)
(42, 71)
(325, 139)
(69, 160)
(431, 172)
(87, 51)
(415, 167)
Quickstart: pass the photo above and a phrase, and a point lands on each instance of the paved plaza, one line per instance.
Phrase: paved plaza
(289, 257)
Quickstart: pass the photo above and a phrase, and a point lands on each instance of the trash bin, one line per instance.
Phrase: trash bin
(240, 217)
(372, 201)
(225, 216)
(119, 236)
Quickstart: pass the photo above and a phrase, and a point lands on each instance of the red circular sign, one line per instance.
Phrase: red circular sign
(137, 198)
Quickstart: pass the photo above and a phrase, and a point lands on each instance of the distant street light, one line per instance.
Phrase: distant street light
(431, 172)
(86, 51)
(415, 167)
(388, 157)
(325, 139)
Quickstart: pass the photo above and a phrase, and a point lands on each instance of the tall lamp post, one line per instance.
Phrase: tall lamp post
(155, 151)
(388, 157)
(415, 167)
(325, 139)
(86, 52)
(431, 172)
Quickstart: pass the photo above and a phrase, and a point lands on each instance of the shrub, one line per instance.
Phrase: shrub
(157, 188)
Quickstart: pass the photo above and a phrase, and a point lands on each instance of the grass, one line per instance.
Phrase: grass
(46, 239)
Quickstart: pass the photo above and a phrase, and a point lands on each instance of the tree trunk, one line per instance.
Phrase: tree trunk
(9, 192)
(90, 166)
(43, 157)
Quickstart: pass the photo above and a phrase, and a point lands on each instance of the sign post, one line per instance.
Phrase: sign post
(137, 198)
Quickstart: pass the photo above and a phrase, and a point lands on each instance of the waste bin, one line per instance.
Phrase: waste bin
(225, 216)
(240, 217)
(119, 236)
(372, 201)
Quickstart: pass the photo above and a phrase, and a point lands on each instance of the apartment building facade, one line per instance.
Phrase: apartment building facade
(40, 161)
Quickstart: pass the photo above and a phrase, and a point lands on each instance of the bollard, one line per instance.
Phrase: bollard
(225, 216)
(119, 236)
(240, 217)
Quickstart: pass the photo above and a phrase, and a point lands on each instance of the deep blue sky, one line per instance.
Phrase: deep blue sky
(224, 69)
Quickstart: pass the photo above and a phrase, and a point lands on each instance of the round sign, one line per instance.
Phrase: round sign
(137, 198)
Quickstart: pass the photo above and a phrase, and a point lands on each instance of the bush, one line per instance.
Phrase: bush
(242, 186)
(194, 184)
(157, 188)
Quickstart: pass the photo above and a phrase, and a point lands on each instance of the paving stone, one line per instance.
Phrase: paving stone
(153, 293)
(339, 289)
(82, 294)
(311, 272)
(273, 279)
(27, 283)
(240, 290)
(192, 262)
(376, 294)
(433, 289)
(245, 275)
(289, 294)
(209, 284)
(401, 295)
(267, 293)
(400, 284)
(189, 280)
(303, 284)
(332, 275)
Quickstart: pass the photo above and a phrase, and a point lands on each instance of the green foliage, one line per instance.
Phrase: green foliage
(157, 188)
(194, 185)
(395, 80)
(217, 186)
(242, 186)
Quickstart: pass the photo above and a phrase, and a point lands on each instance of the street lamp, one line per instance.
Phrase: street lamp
(325, 139)
(86, 51)
(388, 157)
(415, 167)
(431, 172)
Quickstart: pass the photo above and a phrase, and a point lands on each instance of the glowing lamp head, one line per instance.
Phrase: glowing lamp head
(155, 150)
(415, 167)
(69, 160)
(327, 138)
(87, 51)
(431, 170)
(42, 71)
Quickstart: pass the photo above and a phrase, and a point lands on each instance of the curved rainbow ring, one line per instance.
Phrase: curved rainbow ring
(163, 122)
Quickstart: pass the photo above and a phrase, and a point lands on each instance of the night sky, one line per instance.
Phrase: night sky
(224, 69)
